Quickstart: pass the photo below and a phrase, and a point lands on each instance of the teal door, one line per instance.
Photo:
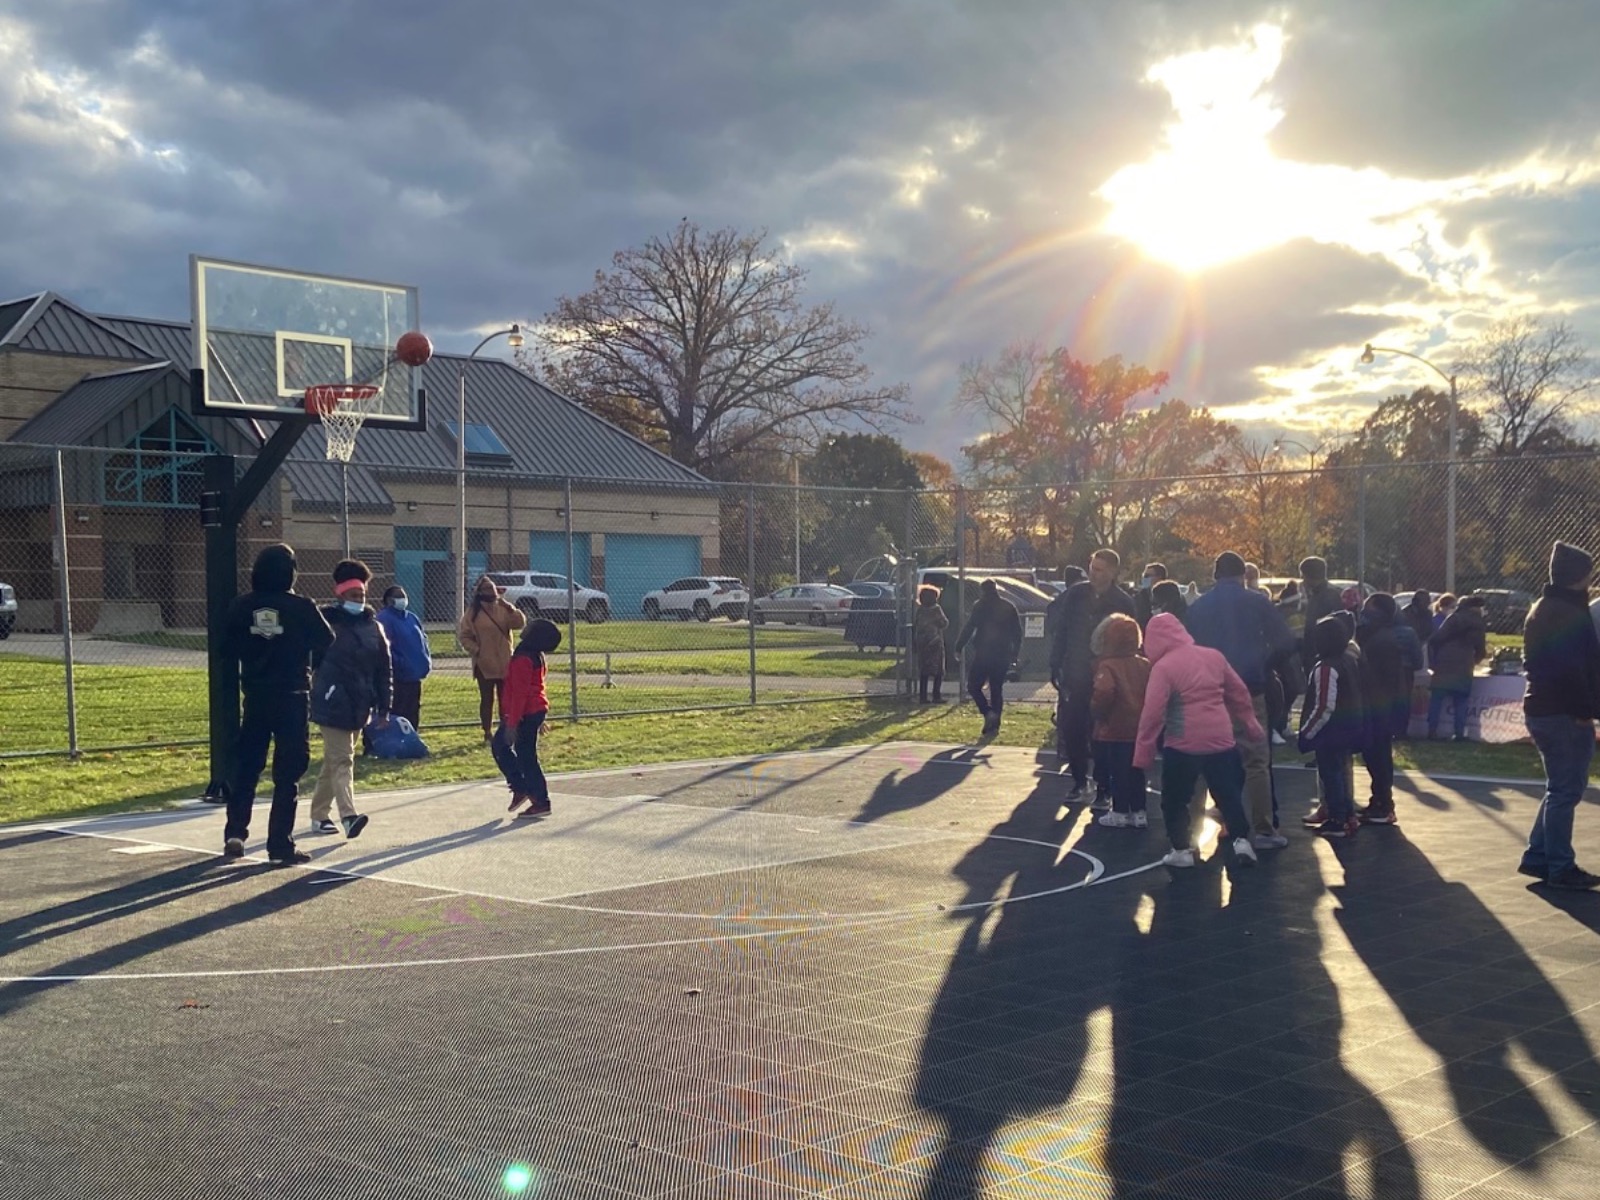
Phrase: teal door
(548, 552)
(637, 563)
(414, 547)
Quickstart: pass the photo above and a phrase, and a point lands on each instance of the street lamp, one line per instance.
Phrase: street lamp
(513, 336)
(1311, 491)
(1367, 356)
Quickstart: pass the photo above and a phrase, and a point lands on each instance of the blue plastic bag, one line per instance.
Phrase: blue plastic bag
(398, 739)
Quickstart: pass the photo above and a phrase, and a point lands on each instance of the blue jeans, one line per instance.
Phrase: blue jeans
(1333, 771)
(1566, 744)
(1458, 710)
(516, 753)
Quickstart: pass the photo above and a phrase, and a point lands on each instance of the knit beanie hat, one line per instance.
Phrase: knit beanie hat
(1228, 566)
(1570, 567)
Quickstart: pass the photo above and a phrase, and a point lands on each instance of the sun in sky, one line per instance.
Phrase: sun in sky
(1215, 191)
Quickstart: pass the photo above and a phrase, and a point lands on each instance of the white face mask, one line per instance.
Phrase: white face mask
(400, 603)
(354, 607)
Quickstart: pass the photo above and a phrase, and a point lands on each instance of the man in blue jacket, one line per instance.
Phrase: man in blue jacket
(1250, 632)
(1561, 655)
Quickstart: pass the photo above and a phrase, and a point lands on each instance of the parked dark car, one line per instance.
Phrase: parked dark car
(1505, 609)
(873, 615)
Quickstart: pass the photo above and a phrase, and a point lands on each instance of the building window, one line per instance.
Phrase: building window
(161, 467)
(483, 445)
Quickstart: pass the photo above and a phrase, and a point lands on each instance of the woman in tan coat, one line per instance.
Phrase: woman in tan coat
(484, 632)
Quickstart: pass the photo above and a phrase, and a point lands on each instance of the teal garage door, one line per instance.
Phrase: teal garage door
(637, 563)
(548, 552)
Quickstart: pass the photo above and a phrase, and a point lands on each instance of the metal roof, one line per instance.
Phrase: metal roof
(52, 325)
(316, 486)
(549, 435)
(73, 418)
(12, 312)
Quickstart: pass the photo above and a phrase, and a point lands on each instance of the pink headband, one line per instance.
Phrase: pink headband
(349, 585)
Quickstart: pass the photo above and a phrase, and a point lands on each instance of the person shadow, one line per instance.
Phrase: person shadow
(1469, 990)
(899, 791)
(1007, 1036)
(1227, 1036)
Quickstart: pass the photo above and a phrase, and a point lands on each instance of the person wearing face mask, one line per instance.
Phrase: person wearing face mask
(484, 632)
(409, 655)
(1143, 602)
(350, 686)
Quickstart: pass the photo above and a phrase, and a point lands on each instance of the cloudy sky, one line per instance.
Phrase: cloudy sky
(1238, 193)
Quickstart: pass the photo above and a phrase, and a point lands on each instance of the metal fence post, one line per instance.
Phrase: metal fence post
(750, 579)
(1361, 525)
(66, 605)
(572, 598)
(906, 605)
(961, 575)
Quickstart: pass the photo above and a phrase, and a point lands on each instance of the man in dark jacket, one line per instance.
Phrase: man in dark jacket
(995, 632)
(1318, 598)
(1561, 655)
(1386, 694)
(1251, 634)
(1083, 607)
(273, 633)
(1154, 573)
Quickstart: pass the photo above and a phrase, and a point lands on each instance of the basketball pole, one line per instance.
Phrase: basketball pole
(223, 504)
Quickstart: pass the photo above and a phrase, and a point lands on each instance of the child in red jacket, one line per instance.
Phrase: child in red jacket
(522, 712)
(1121, 675)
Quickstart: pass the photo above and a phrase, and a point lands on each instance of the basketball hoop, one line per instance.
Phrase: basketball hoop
(343, 409)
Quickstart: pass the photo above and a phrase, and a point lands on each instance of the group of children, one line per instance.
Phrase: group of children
(333, 666)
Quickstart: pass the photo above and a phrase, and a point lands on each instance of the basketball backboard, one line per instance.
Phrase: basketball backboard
(262, 335)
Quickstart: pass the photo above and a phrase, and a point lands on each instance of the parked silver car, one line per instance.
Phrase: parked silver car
(810, 603)
(8, 610)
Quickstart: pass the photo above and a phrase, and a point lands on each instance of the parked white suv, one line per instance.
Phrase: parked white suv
(541, 594)
(699, 596)
(8, 610)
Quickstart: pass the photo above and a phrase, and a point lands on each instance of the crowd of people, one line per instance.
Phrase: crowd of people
(1208, 683)
(352, 670)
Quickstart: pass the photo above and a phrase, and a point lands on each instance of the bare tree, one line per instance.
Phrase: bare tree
(701, 344)
(1000, 390)
(1531, 380)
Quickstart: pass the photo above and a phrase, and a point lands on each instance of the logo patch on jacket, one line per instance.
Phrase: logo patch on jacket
(264, 623)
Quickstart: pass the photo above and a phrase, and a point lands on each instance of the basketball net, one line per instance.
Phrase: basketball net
(344, 408)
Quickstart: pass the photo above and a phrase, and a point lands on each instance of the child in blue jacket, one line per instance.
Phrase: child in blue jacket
(408, 653)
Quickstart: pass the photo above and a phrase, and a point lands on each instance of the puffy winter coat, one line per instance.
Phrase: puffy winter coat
(408, 644)
(352, 680)
(1121, 675)
(1193, 694)
(928, 627)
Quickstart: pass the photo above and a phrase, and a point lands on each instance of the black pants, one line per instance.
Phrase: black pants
(1223, 772)
(407, 701)
(1378, 757)
(938, 683)
(281, 718)
(489, 691)
(1073, 723)
(1127, 780)
(993, 675)
(517, 756)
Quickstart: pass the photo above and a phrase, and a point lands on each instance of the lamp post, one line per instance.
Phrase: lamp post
(1311, 491)
(1367, 356)
(513, 336)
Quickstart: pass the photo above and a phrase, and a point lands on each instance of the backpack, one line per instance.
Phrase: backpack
(398, 739)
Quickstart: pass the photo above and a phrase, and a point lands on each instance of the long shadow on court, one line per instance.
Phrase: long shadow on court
(296, 889)
(1468, 989)
(901, 791)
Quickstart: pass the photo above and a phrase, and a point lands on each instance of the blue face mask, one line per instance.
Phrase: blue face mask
(400, 603)
(354, 607)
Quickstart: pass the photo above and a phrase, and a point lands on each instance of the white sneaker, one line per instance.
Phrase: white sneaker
(1269, 841)
(324, 826)
(1243, 850)
(1140, 821)
(1278, 739)
(1115, 820)
(1179, 858)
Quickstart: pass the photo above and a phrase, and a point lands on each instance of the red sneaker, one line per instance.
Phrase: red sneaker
(517, 801)
(1317, 816)
(538, 808)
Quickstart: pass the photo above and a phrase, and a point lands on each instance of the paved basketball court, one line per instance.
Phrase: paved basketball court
(896, 971)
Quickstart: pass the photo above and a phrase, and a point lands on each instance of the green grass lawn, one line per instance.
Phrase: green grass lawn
(134, 706)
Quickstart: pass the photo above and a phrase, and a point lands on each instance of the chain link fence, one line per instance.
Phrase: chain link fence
(686, 596)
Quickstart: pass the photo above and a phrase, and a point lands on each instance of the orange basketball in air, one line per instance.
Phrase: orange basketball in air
(413, 348)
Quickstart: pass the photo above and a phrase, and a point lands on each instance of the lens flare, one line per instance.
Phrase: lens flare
(517, 1179)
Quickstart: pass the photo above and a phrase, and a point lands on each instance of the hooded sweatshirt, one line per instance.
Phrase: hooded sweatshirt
(1560, 647)
(1121, 675)
(273, 632)
(1193, 694)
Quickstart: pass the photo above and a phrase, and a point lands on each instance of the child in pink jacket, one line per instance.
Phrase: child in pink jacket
(1195, 697)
